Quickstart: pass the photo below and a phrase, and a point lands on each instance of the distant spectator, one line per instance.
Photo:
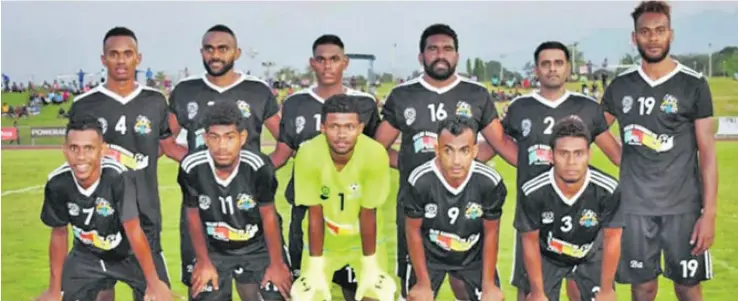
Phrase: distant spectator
(62, 113)
(17, 131)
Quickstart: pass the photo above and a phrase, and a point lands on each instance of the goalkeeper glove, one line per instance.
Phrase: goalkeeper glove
(374, 282)
(312, 281)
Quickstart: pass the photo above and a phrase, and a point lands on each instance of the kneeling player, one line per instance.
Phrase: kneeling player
(453, 218)
(229, 194)
(342, 176)
(98, 199)
(564, 214)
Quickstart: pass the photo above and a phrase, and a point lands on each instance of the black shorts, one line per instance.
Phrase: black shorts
(245, 269)
(344, 277)
(85, 274)
(472, 278)
(646, 237)
(402, 264)
(586, 274)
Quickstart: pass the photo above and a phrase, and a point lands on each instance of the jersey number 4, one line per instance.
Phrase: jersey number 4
(120, 126)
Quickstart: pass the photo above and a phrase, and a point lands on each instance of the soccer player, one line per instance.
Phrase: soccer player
(415, 108)
(563, 215)
(192, 97)
(301, 120)
(135, 126)
(530, 121)
(229, 194)
(98, 198)
(343, 177)
(669, 172)
(453, 211)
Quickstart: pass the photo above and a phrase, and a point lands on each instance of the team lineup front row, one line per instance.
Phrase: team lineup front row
(573, 221)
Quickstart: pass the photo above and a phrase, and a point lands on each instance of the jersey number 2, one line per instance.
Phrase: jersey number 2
(120, 126)
(549, 121)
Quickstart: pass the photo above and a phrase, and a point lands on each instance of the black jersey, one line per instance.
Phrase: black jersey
(659, 171)
(530, 120)
(192, 96)
(132, 127)
(96, 213)
(416, 109)
(300, 122)
(229, 209)
(569, 227)
(453, 228)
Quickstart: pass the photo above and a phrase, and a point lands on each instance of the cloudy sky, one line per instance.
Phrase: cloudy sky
(45, 39)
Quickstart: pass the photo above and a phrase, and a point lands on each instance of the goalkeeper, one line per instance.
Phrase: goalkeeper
(342, 176)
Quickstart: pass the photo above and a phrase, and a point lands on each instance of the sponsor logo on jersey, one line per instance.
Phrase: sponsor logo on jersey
(355, 192)
(539, 154)
(525, 126)
(547, 217)
(96, 240)
(245, 202)
(639, 135)
(103, 124)
(588, 219)
(102, 207)
(452, 242)
(425, 142)
(223, 231)
(300, 124)
(204, 202)
(143, 125)
(463, 109)
(199, 138)
(73, 209)
(473, 211)
(562, 247)
(409, 116)
(431, 210)
(244, 107)
(670, 104)
(627, 104)
(191, 110)
(338, 229)
(127, 158)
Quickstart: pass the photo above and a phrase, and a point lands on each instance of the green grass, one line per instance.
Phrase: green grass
(25, 238)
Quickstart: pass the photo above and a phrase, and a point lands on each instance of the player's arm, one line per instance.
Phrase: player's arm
(271, 114)
(613, 222)
(527, 221)
(609, 105)
(705, 132)
(169, 145)
(604, 138)
(389, 128)
(55, 215)
(492, 211)
(414, 206)
(307, 193)
(286, 141)
(372, 121)
(376, 185)
(495, 134)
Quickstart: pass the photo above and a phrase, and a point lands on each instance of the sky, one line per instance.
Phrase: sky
(46, 39)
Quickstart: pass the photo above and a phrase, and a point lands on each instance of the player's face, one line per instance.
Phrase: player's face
(329, 62)
(83, 151)
(653, 36)
(224, 144)
(456, 154)
(342, 130)
(552, 68)
(219, 52)
(439, 57)
(570, 158)
(120, 57)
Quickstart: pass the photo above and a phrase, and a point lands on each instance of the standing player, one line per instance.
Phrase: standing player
(563, 214)
(192, 97)
(134, 125)
(453, 201)
(343, 177)
(530, 121)
(415, 108)
(301, 120)
(669, 171)
(229, 194)
(98, 199)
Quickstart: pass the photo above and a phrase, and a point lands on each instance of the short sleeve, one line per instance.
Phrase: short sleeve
(174, 105)
(307, 183)
(703, 100)
(164, 130)
(266, 184)
(125, 195)
(608, 102)
(493, 201)
(54, 210)
(370, 116)
(508, 124)
(489, 111)
(287, 128)
(599, 124)
(73, 110)
(389, 110)
(376, 179)
(271, 107)
(413, 202)
(527, 214)
(189, 193)
(612, 214)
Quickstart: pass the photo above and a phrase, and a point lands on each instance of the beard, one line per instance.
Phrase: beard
(227, 66)
(653, 60)
(442, 75)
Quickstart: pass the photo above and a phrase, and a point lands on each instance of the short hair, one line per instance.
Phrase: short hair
(224, 112)
(83, 123)
(551, 45)
(119, 31)
(659, 7)
(437, 29)
(340, 103)
(221, 28)
(571, 126)
(457, 126)
(328, 39)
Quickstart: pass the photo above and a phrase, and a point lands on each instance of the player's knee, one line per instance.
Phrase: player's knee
(645, 291)
(106, 295)
(690, 292)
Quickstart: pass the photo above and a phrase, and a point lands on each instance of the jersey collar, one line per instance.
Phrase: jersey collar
(221, 90)
(229, 179)
(311, 91)
(451, 189)
(551, 103)
(440, 90)
(573, 199)
(663, 79)
(90, 190)
(118, 97)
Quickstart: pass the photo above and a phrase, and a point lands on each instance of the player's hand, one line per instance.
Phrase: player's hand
(536, 296)
(280, 277)
(492, 293)
(158, 291)
(50, 295)
(703, 234)
(606, 296)
(312, 281)
(374, 280)
(420, 292)
(203, 273)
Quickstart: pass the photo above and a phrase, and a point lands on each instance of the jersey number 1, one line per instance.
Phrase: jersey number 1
(341, 196)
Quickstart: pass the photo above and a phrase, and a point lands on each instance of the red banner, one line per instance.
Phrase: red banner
(10, 134)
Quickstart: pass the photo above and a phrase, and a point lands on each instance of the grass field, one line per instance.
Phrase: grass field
(25, 239)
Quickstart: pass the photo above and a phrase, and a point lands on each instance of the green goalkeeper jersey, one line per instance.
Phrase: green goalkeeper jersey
(364, 182)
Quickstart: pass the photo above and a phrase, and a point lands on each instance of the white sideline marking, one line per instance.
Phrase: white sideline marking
(39, 187)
